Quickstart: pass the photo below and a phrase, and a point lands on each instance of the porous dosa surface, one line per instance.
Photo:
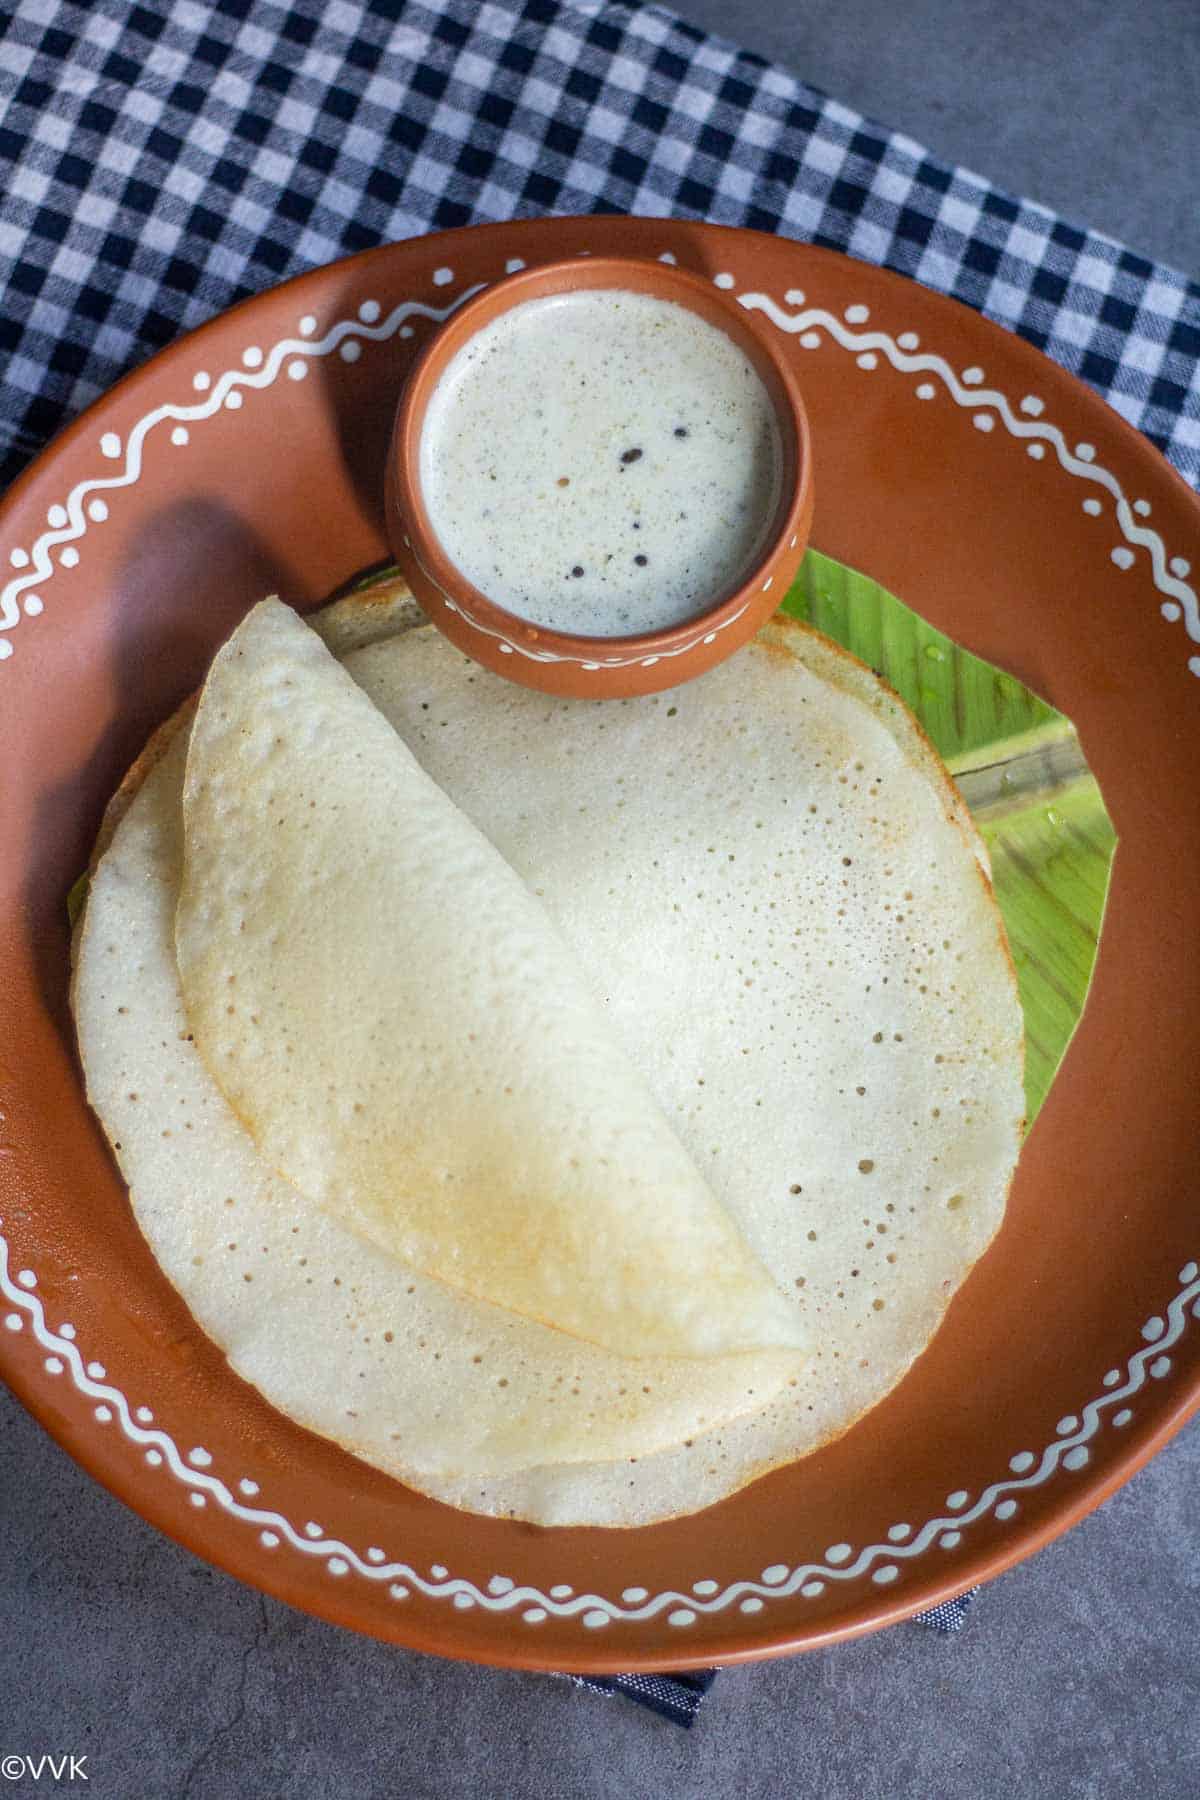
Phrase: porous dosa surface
(837, 1042)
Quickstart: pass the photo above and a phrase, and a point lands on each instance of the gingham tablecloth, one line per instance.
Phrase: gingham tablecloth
(160, 161)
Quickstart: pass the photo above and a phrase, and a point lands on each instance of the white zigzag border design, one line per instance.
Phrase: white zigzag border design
(987, 404)
(503, 1595)
(69, 522)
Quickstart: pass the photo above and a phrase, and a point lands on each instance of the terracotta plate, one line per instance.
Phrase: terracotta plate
(983, 486)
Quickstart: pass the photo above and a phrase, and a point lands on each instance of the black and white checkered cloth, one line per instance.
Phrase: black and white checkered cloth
(680, 1697)
(159, 161)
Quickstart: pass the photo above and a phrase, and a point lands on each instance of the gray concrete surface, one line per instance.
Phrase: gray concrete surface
(1076, 1678)
(1091, 106)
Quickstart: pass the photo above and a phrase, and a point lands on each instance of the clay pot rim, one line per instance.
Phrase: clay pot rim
(408, 524)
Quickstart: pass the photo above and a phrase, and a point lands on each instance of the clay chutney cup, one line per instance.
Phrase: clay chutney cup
(559, 662)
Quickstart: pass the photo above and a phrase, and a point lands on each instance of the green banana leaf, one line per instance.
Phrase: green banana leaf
(76, 899)
(1020, 769)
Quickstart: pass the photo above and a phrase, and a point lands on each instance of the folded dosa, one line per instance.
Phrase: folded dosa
(408, 1038)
